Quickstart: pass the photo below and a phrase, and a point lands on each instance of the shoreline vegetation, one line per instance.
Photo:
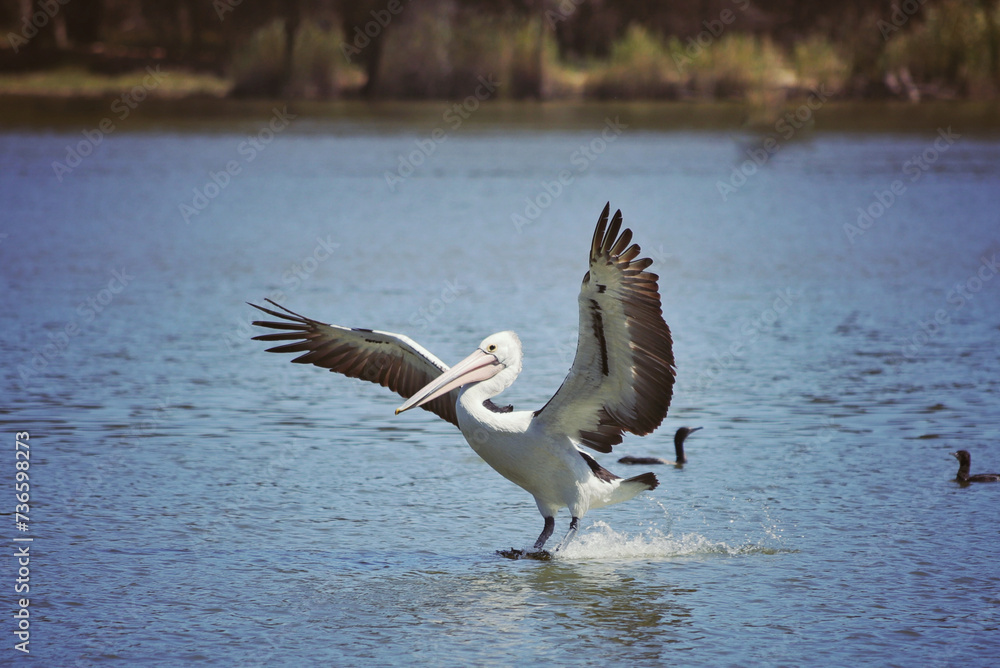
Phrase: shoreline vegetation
(568, 51)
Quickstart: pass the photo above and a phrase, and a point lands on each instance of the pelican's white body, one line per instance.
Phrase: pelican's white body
(549, 466)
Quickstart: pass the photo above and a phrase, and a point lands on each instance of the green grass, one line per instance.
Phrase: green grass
(817, 62)
(732, 66)
(79, 82)
(640, 66)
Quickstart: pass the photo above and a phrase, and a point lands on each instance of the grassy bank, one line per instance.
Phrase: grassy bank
(422, 117)
(71, 81)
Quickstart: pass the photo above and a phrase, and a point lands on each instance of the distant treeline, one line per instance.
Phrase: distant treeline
(536, 48)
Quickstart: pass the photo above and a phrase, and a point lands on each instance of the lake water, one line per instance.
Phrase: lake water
(196, 501)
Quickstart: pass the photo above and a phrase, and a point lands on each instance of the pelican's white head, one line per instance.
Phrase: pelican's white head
(506, 348)
(498, 355)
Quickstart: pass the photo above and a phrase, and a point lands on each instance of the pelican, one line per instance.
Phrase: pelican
(679, 437)
(621, 381)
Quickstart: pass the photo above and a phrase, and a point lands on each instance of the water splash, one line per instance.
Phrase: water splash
(600, 541)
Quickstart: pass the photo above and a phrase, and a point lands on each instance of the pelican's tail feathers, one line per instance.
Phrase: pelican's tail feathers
(642, 482)
(629, 488)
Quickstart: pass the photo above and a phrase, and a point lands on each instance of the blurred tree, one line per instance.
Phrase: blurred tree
(205, 34)
(84, 19)
(365, 46)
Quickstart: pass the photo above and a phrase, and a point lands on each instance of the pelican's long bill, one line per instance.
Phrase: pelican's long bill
(477, 367)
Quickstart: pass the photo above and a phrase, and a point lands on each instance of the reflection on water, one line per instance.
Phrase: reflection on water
(625, 610)
(200, 499)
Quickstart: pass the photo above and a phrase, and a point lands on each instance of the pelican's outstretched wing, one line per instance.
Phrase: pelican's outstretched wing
(623, 374)
(391, 360)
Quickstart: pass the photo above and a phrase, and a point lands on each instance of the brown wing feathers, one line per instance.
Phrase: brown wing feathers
(650, 341)
(378, 357)
(650, 361)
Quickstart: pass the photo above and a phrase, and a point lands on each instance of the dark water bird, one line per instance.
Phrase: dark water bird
(680, 460)
(964, 461)
(621, 381)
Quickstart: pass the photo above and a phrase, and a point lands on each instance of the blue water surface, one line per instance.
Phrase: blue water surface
(196, 501)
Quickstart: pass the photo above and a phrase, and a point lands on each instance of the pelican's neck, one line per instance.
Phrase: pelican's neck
(473, 397)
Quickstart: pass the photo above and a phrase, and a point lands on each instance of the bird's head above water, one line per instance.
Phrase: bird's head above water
(497, 353)
(682, 433)
(679, 436)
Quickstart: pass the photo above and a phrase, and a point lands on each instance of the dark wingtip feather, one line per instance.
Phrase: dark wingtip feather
(291, 326)
(642, 264)
(630, 253)
(265, 310)
(288, 310)
(276, 314)
(613, 229)
(649, 479)
(284, 336)
(622, 243)
(598, 240)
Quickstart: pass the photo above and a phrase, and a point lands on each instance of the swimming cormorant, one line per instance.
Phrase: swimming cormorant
(679, 437)
(964, 460)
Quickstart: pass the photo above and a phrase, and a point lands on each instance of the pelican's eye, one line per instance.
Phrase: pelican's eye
(492, 348)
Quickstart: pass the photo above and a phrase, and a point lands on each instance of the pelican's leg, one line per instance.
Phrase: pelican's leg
(550, 525)
(574, 524)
